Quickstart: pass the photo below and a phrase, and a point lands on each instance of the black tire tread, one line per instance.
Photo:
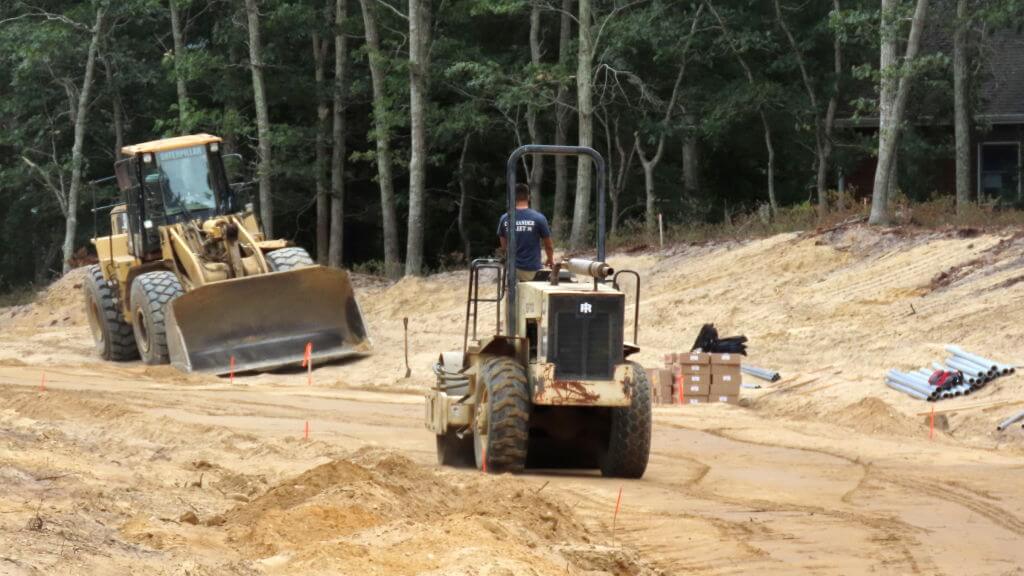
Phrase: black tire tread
(629, 442)
(120, 345)
(286, 259)
(509, 397)
(154, 291)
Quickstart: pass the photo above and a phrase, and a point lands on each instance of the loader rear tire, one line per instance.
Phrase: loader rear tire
(288, 259)
(151, 294)
(503, 438)
(629, 441)
(110, 333)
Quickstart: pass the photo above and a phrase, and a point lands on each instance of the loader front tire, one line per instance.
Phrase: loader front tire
(288, 259)
(629, 441)
(152, 292)
(501, 432)
(111, 334)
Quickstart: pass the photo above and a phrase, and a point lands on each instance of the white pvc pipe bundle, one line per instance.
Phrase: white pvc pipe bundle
(977, 371)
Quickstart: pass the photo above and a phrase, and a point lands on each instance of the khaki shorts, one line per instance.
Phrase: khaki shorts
(525, 275)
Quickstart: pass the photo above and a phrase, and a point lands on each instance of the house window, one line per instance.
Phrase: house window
(999, 171)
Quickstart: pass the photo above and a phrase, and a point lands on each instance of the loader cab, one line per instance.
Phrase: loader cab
(169, 181)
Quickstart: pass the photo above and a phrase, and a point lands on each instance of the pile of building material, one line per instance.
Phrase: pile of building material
(977, 371)
(697, 378)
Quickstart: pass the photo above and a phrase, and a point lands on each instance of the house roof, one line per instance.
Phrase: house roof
(1003, 91)
(169, 144)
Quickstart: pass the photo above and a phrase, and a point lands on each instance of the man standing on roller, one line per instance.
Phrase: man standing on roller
(531, 230)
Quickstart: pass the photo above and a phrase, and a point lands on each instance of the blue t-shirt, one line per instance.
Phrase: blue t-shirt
(531, 226)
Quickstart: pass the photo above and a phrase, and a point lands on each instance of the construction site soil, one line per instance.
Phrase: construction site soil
(131, 469)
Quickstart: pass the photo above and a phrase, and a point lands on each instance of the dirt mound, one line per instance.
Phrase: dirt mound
(381, 507)
(874, 416)
(60, 305)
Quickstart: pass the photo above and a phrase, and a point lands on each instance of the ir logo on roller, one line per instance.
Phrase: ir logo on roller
(586, 308)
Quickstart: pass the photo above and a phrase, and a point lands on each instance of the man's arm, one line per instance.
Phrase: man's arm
(549, 250)
(502, 239)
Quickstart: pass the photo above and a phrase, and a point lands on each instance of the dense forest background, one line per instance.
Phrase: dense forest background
(375, 132)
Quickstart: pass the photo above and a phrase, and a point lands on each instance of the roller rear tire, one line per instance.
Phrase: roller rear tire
(629, 440)
(501, 432)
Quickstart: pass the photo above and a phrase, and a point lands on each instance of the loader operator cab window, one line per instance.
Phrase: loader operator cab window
(180, 180)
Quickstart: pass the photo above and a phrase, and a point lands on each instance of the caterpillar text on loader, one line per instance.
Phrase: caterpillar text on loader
(187, 277)
(555, 388)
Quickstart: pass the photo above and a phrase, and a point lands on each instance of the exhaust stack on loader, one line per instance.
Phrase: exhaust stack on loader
(187, 277)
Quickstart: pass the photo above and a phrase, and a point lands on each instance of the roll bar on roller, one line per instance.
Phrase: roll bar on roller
(511, 173)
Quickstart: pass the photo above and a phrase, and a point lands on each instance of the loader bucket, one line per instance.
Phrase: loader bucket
(266, 321)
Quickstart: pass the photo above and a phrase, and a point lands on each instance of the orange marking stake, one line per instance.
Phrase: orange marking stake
(931, 424)
(618, 502)
(485, 459)
(306, 436)
(42, 382)
(679, 386)
(307, 363)
(232, 369)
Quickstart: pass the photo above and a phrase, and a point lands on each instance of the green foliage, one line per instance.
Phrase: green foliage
(482, 85)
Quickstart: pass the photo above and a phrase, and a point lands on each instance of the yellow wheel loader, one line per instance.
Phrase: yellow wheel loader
(187, 277)
(553, 387)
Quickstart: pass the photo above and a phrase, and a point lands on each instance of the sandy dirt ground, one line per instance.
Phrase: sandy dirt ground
(129, 469)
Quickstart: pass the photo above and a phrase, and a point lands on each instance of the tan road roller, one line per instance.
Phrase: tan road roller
(552, 387)
(186, 276)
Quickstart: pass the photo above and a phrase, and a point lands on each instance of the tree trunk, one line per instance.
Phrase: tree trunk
(116, 112)
(77, 156)
(230, 110)
(617, 177)
(821, 162)
(760, 109)
(323, 207)
(649, 164)
(893, 101)
(562, 125)
(259, 95)
(886, 97)
(585, 107)
(178, 33)
(463, 201)
(335, 253)
(382, 136)
(691, 158)
(830, 112)
(536, 162)
(962, 119)
(772, 201)
(419, 65)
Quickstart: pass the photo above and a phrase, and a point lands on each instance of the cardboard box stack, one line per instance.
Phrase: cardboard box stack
(661, 385)
(725, 378)
(697, 378)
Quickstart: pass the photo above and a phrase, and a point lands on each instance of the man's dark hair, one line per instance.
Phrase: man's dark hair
(522, 192)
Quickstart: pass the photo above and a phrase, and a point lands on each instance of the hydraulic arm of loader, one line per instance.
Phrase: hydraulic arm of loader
(240, 313)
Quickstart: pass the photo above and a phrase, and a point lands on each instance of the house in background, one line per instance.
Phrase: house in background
(998, 161)
(998, 139)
